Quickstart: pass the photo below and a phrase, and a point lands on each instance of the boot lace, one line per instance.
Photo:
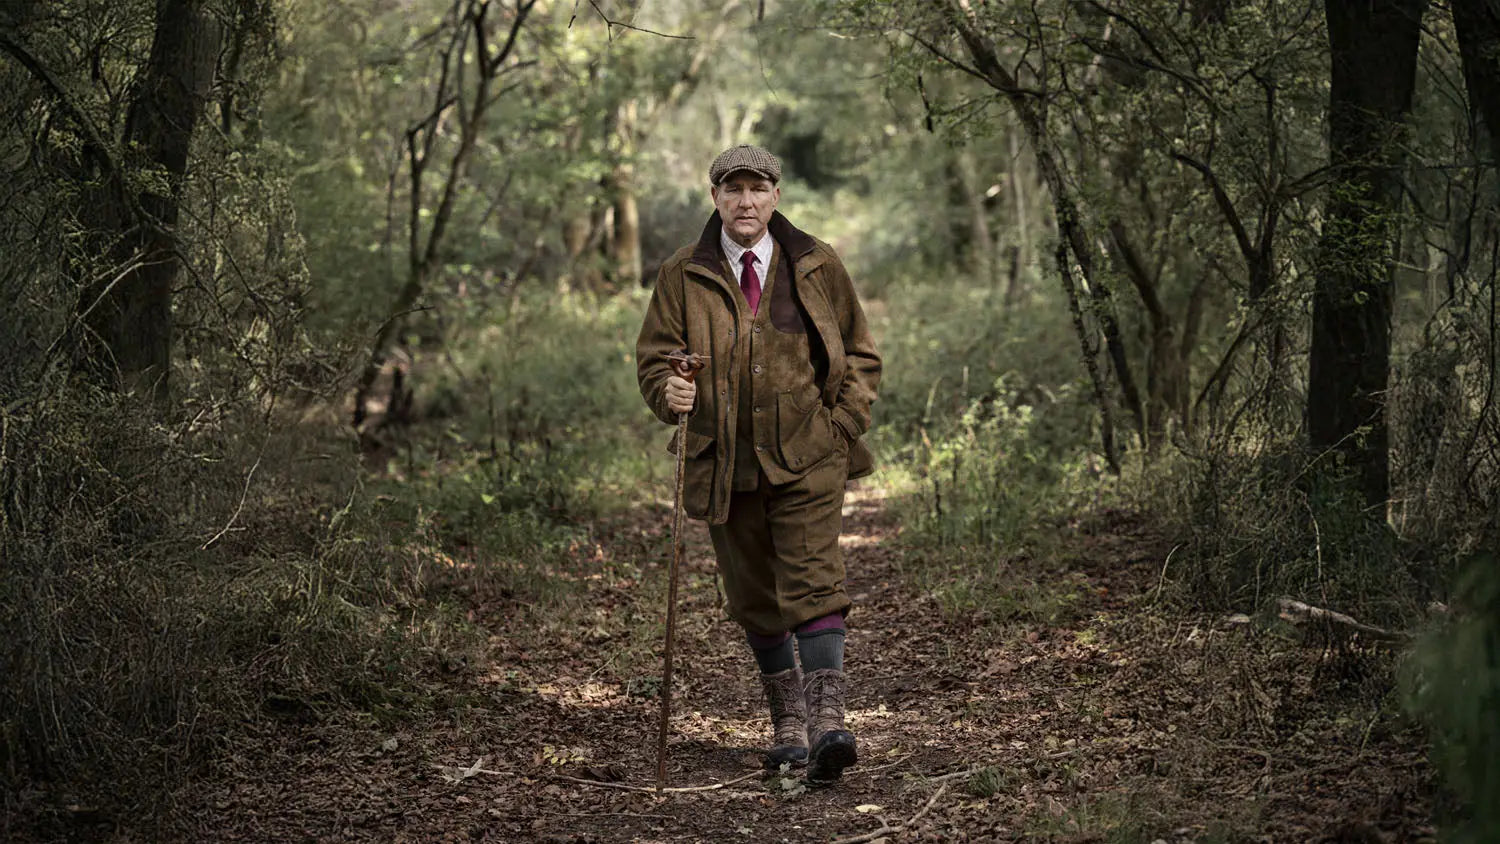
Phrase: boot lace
(787, 718)
(825, 701)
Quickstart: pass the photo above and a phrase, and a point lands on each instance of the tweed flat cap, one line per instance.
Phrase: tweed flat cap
(745, 157)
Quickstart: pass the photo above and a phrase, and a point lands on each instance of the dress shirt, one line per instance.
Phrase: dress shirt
(733, 251)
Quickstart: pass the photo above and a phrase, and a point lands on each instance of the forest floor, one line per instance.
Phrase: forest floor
(1122, 719)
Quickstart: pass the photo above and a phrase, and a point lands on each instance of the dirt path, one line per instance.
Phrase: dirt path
(1120, 723)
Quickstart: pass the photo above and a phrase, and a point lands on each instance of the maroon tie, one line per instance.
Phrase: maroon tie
(750, 282)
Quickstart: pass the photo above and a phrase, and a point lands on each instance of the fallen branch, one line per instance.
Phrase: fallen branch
(455, 774)
(878, 767)
(653, 789)
(887, 829)
(967, 772)
(1296, 612)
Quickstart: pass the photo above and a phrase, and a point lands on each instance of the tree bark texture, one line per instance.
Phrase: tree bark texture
(1019, 252)
(980, 242)
(627, 240)
(1477, 23)
(1374, 57)
(1166, 365)
(128, 312)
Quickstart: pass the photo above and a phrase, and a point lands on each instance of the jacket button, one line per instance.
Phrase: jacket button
(755, 369)
(757, 329)
(760, 446)
(757, 408)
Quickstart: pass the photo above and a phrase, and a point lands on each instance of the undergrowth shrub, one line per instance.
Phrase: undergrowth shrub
(988, 476)
(985, 439)
(543, 387)
(1259, 522)
(165, 582)
(946, 342)
(985, 494)
(1452, 680)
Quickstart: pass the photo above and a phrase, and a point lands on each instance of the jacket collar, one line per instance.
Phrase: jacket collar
(794, 242)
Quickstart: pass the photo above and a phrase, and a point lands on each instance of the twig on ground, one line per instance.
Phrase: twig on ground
(606, 815)
(887, 829)
(464, 773)
(967, 772)
(1296, 612)
(1161, 580)
(880, 767)
(250, 475)
(651, 788)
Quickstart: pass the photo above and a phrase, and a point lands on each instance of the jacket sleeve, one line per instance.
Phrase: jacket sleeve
(851, 412)
(662, 332)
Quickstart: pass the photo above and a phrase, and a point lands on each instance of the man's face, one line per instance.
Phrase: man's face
(745, 202)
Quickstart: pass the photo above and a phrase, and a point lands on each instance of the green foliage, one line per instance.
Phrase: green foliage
(543, 388)
(990, 477)
(165, 584)
(1262, 521)
(984, 437)
(1452, 680)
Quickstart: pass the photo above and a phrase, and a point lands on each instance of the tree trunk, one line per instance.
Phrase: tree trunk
(1374, 57)
(1478, 27)
(1166, 369)
(129, 311)
(981, 245)
(627, 233)
(1020, 250)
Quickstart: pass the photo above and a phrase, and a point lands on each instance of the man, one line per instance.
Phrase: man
(774, 434)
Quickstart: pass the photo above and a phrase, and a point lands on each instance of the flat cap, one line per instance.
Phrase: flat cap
(745, 157)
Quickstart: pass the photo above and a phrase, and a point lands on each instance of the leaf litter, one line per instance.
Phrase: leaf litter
(1125, 718)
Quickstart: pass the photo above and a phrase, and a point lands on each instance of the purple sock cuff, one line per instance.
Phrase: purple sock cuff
(762, 642)
(832, 621)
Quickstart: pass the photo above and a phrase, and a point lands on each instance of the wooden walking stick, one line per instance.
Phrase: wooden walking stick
(687, 366)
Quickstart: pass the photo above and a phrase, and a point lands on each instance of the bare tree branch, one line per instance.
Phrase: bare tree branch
(610, 24)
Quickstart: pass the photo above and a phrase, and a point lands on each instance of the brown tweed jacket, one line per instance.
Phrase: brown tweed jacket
(696, 308)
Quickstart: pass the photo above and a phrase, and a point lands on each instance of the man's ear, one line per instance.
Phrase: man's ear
(713, 193)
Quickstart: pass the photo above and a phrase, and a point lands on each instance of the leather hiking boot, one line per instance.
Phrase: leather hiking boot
(788, 718)
(832, 745)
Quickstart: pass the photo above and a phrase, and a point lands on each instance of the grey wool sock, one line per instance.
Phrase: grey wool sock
(776, 658)
(821, 649)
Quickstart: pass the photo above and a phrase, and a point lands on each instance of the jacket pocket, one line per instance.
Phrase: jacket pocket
(804, 437)
(697, 473)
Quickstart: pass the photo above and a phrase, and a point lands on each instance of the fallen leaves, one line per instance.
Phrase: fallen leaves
(453, 774)
(1123, 715)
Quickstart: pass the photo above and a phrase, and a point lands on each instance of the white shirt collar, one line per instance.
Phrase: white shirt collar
(733, 251)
